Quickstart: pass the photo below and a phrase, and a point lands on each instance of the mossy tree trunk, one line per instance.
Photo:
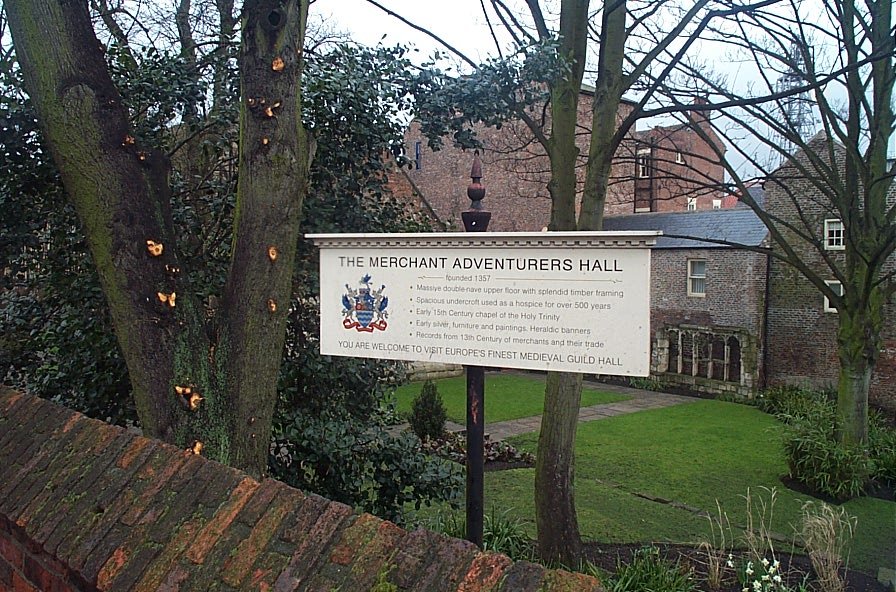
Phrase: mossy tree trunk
(559, 539)
(120, 190)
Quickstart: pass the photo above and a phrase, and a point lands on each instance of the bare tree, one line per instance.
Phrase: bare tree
(829, 70)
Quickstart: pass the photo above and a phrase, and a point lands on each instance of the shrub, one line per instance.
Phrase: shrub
(649, 571)
(882, 450)
(820, 462)
(788, 402)
(361, 465)
(428, 414)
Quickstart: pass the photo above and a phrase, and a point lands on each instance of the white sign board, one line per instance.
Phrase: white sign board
(570, 301)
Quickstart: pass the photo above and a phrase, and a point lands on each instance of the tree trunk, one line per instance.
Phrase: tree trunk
(120, 191)
(555, 511)
(858, 344)
(273, 173)
(555, 507)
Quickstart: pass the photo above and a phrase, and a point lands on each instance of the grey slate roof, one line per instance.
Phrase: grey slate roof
(740, 226)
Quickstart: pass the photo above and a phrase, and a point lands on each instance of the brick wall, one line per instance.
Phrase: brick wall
(802, 336)
(516, 171)
(683, 165)
(87, 506)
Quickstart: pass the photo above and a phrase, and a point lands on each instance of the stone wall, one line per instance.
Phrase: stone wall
(86, 506)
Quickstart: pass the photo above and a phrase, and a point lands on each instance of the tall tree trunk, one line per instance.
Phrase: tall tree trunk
(121, 193)
(858, 344)
(555, 512)
(273, 173)
(556, 520)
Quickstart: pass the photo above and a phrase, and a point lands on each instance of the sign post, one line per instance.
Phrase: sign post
(475, 220)
(563, 301)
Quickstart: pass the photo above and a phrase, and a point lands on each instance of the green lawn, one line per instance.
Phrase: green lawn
(507, 396)
(694, 454)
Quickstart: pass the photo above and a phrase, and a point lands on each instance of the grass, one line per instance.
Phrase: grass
(507, 396)
(694, 454)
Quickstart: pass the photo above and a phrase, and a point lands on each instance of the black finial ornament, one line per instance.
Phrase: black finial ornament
(476, 191)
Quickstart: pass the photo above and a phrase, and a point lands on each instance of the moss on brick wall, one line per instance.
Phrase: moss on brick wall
(88, 506)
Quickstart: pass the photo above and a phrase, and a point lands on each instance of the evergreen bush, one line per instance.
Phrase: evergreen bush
(428, 414)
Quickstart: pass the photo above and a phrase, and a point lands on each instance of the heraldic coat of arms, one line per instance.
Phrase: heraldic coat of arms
(364, 309)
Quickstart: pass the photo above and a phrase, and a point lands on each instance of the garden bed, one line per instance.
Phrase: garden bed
(794, 567)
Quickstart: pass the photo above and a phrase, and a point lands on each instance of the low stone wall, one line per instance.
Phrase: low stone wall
(86, 506)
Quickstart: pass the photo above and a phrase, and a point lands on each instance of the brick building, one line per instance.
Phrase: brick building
(673, 163)
(707, 304)
(675, 168)
(802, 326)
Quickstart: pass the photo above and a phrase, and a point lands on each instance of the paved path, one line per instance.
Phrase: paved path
(640, 400)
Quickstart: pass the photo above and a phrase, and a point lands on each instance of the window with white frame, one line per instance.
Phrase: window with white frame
(833, 235)
(679, 159)
(692, 204)
(642, 163)
(837, 287)
(696, 277)
(717, 204)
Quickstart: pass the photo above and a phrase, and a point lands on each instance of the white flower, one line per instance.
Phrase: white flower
(776, 564)
(777, 579)
(749, 570)
(757, 586)
(764, 562)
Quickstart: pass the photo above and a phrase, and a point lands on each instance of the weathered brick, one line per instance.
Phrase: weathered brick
(374, 558)
(412, 558)
(106, 554)
(303, 518)
(485, 573)
(311, 549)
(175, 549)
(134, 567)
(5, 575)
(48, 476)
(522, 577)
(448, 565)
(236, 568)
(20, 584)
(157, 472)
(10, 552)
(80, 494)
(252, 536)
(181, 505)
(100, 512)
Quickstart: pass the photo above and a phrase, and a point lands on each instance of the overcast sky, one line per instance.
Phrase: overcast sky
(458, 22)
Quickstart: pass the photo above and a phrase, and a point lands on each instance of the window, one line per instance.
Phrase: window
(679, 159)
(642, 163)
(717, 204)
(418, 155)
(692, 204)
(697, 277)
(837, 287)
(833, 235)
